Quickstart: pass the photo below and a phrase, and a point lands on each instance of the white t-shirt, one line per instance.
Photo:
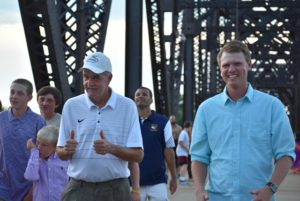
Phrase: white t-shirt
(185, 138)
(119, 121)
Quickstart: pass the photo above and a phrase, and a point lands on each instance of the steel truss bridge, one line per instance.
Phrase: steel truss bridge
(60, 33)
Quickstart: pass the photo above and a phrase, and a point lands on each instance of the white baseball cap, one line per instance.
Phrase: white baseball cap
(97, 62)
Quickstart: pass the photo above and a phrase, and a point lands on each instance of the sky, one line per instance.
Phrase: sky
(15, 61)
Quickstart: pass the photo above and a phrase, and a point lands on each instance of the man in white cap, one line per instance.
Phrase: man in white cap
(99, 133)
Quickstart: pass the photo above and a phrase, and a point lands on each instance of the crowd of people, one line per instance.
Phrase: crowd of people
(104, 146)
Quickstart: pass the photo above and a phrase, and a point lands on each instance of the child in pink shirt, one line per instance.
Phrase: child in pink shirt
(44, 168)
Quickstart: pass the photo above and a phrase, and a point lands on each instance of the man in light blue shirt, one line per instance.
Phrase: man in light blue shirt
(241, 137)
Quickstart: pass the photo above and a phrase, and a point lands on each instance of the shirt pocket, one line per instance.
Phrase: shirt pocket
(60, 173)
(258, 134)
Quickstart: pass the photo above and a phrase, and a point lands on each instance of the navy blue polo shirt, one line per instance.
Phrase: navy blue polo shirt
(153, 168)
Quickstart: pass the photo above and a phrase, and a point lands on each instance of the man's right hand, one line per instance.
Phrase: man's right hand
(71, 144)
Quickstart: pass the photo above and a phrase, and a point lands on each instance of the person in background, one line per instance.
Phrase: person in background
(176, 129)
(1, 107)
(100, 133)
(47, 172)
(49, 99)
(17, 125)
(182, 152)
(158, 147)
(296, 165)
(241, 137)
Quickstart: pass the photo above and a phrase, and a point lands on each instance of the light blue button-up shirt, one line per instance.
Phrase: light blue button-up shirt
(240, 141)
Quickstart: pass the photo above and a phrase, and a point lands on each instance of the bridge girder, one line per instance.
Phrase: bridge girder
(184, 67)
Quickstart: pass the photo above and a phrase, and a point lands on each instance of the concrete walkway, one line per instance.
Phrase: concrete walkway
(289, 190)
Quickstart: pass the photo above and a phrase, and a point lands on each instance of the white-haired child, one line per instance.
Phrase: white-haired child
(44, 168)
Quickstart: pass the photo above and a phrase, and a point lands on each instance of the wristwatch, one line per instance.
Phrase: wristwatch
(272, 186)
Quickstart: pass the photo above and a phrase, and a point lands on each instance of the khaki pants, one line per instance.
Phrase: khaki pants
(114, 190)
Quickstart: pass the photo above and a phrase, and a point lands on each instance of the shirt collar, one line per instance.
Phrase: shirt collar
(11, 117)
(150, 117)
(110, 103)
(248, 96)
(54, 156)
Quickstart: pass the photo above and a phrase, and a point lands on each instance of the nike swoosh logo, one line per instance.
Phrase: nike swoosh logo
(80, 120)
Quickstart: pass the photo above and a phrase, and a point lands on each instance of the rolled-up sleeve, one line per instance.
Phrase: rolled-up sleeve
(283, 143)
(200, 150)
